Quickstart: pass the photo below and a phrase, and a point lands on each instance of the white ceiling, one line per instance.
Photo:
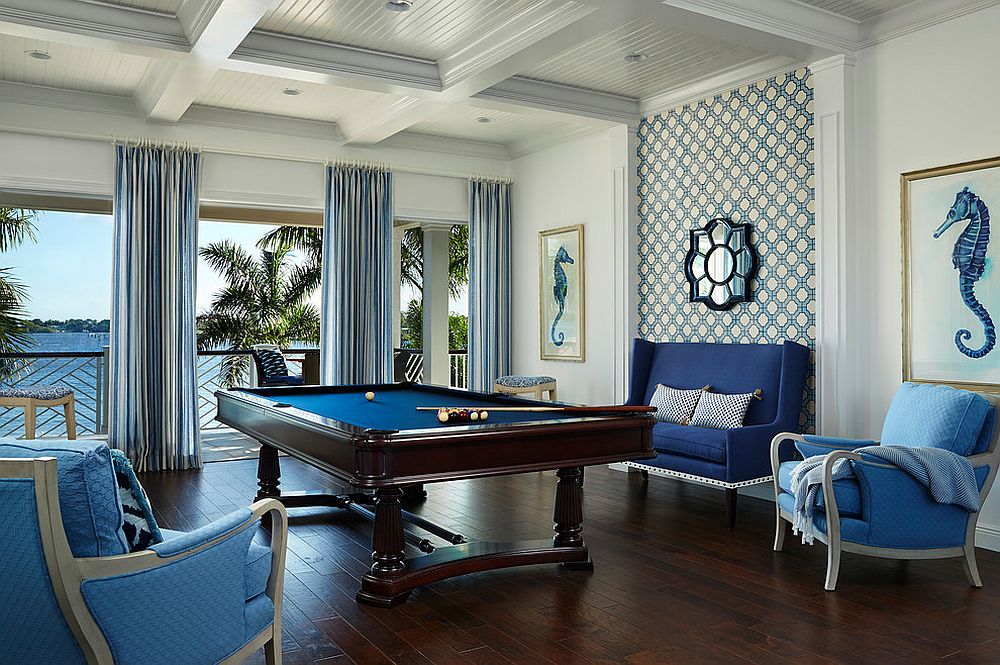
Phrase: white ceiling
(541, 69)
(859, 10)
(71, 67)
(673, 57)
(263, 94)
(432, 30)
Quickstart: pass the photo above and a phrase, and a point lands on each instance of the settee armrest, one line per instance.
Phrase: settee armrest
(748, 451)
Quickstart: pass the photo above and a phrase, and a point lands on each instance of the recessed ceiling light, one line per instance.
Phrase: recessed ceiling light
(484, 119)
(635, 57)
(38, 55)
(291, 92)
(399, 5)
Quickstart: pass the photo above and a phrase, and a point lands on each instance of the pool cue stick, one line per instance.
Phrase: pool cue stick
(542, 409)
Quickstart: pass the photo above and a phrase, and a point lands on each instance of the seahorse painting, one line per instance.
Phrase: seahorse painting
(560, 286)
(969, 259)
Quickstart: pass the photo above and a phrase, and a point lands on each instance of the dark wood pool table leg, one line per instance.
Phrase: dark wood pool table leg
(268, 473)
(387, 554)
(568, 515)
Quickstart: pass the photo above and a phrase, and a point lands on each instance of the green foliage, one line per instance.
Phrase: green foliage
(16, 227)
(458, 258)
(412, 323)
(68, 325)
(264, 302)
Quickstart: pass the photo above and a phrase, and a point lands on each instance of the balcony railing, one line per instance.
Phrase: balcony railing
(87, 374)
(409, 366)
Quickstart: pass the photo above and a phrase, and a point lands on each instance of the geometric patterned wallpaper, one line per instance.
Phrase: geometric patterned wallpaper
(747, 155)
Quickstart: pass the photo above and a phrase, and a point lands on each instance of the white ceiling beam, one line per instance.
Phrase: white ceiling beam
(214, 29)
(535, 35)
(523, 92)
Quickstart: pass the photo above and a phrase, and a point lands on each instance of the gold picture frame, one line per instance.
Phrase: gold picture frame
(562, 320)
(933, 304)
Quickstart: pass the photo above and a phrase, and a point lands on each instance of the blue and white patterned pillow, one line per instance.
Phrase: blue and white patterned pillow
(721, 411)
(674, 405)
(140, 526)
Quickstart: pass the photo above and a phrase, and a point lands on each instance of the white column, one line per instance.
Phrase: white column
(624, 160)
(837, 275)
(435, 278)
(397, 257)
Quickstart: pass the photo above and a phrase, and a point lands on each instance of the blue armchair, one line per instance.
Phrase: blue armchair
(71, 593)
(882, 511)
(733, 458)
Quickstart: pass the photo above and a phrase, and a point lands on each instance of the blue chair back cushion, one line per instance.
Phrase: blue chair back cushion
(32, 627)
(940, 417)
(727, 368)
(88, 493)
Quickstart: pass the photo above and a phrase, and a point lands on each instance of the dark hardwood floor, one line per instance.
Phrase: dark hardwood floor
(671, 583)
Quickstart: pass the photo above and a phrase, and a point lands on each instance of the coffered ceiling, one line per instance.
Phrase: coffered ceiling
(537, 70)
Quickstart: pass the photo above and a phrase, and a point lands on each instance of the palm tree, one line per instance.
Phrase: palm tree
(264, 302)
(16, 226)
(309, 241)
(458, 258)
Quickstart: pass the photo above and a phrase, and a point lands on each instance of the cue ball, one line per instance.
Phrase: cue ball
(369, 396)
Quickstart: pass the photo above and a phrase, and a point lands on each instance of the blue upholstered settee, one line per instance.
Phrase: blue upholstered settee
(71, 593)
(723, 458)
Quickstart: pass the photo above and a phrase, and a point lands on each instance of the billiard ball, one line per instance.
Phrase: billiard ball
(473, 415)
(443, 415)
(483, 415)
(369, 395)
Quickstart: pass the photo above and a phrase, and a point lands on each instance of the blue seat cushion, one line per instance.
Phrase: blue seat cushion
(847, 490)
(258, 614)
(256, 567)
(938, 416)
(88, 493)
(702, 443)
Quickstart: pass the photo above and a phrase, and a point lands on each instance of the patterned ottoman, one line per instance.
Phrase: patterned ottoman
(516, 384)
(31, 398)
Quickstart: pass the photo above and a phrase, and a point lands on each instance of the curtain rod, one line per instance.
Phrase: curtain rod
(143, 142)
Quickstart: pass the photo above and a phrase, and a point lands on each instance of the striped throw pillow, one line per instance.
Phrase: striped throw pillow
(720, 411)
(674, 405)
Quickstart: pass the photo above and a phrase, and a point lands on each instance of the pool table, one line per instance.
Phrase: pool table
(385, 446)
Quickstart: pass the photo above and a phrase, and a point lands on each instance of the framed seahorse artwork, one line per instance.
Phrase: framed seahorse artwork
(951, 283)
(561, 295)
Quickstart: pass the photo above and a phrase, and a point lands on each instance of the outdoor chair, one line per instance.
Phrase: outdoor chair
(272, 368)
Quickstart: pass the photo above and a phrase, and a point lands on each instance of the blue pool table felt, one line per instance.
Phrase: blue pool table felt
(395, 409)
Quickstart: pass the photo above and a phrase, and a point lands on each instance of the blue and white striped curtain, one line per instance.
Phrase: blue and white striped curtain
(356, 328)
(489, 282)
(154, 407)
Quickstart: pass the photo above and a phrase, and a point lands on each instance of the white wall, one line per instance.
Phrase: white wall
(572, 183)
(926, 99)
(35, 163)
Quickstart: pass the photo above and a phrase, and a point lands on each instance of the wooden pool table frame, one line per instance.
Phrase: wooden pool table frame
(388, 461)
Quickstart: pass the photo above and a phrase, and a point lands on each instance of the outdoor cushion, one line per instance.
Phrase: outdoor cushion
(847, 490)
(37, 392)
(937, 416)
(88, 494)
(257, 566)
(699, 442)
(517, 381)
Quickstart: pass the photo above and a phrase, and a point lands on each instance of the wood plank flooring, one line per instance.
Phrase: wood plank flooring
(671, 583)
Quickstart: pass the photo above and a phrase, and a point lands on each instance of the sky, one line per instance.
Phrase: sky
(68, 269)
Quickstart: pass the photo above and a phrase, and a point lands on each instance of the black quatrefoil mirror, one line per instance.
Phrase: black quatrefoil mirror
(720, 265)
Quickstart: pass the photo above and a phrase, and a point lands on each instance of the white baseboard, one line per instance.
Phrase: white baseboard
(988, 536)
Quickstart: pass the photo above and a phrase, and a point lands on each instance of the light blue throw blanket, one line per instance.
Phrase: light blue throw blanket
(949, 477)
